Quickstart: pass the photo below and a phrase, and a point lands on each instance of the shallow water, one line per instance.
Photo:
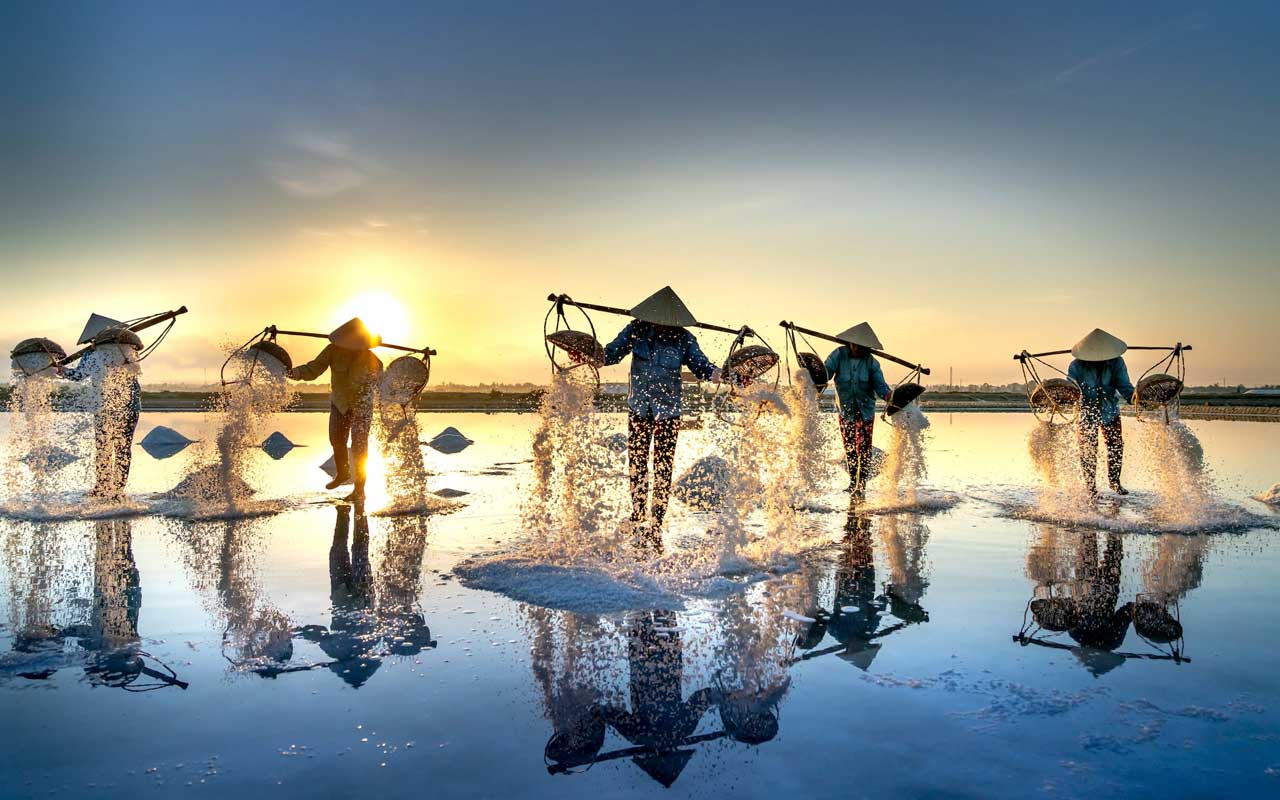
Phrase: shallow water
(325, 653)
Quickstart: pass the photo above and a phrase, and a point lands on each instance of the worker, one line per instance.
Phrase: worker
(110, 371)
(659, 344)
(1103, 378)
(859, 381)
(354, 373)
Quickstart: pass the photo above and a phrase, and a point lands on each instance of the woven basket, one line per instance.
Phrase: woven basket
(751, 362)
(1158, 390)
(1055, 393)
(580, 344)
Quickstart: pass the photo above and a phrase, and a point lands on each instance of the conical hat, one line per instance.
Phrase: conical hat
(354, 335)
(664, 307)
(863, 335)
(1098, 346)
(96, 325)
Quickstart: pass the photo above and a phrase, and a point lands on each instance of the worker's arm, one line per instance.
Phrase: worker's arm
(1122, 382)
(833, 362)
(878, 384)
(697, 361)
(620, 347)
(314, 368)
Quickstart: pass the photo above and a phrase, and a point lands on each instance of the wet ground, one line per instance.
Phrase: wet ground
(324, 652)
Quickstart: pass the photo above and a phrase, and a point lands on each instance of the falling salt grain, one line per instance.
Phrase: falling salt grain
(798, 617)
(849, 609)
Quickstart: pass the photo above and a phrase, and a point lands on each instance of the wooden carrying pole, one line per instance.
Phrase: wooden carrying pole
(141, 325)
(1177, 348)
(426, 351)
(564, 298)
(818, 334)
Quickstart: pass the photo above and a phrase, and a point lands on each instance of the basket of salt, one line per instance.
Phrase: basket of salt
(271, 357)
(1155, 391)
(751, 361)
(1056, 614)
(901, 397)
(404, 379)
(817, 370)
(1154, 622)
(581, 346)
(33, 356)
(1055, 394)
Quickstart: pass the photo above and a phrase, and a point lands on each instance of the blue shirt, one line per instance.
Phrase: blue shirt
(657, 353)
(859, 381)
(1100, 382)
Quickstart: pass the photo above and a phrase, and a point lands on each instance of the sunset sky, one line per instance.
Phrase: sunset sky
(972, 178)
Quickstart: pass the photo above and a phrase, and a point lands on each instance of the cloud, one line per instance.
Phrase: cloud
(313, 165)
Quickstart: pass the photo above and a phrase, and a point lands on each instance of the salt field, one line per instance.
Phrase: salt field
(503, 633)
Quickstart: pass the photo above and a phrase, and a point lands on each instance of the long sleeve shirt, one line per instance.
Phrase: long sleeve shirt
(1101, 383)
(657, 354)
(859, 381)
(353, 374)
(106, 376)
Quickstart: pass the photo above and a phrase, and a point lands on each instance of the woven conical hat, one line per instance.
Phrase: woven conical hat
(664, 307)
(96, 325)
(1098, 346)
(354, 335)
(863, 335)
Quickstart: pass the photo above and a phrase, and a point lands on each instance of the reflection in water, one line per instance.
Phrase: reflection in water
(857, 607)
(1078, 592)
(579, 663)
(51, 631)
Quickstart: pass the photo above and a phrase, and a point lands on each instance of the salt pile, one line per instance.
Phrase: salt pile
(1271, 496)
(277, 445)
(162, 442)
(704, 484)
(450, 441)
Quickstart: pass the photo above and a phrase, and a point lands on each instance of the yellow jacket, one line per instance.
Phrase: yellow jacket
(353, 374)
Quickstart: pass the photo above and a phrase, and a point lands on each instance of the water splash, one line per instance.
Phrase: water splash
(1172, 456)
(220, 483)
(407, 476)
(573, 507)
(905, 467)
(34, 433)
(1055, 455)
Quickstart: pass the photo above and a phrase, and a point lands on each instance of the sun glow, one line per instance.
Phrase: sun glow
(381, 312)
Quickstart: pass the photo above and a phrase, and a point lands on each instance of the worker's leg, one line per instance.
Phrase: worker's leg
(1114, 438)
(665, 435)
(102, 458)
(362, 421)
(123, 444)
(847, 436)
(862, 430)
(639, 437)
(339, 433)
(1088, 440)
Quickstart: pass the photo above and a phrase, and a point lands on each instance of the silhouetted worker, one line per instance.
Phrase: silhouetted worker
(354, 372)
(1102, 375)
(859, 381)
(659, 346)
(114, 398)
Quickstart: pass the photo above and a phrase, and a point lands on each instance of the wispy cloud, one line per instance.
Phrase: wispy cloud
(315, 165)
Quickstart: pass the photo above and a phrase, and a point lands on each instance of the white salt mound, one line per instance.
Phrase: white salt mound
(705, 484)
(277, 445)
(450, 441)
(161, 435)
(1271, 496)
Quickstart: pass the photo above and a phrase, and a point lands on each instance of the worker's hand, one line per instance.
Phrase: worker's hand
(717, 375)
(292, 374)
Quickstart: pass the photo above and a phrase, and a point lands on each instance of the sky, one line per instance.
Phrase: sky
(971, 178)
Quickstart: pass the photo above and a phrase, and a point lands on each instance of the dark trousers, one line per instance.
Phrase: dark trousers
(354, 426)
(1089, 451)
(856, 435)
(661, 435)
(113, 451)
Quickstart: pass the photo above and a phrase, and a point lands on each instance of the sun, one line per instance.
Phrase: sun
(383, 313)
